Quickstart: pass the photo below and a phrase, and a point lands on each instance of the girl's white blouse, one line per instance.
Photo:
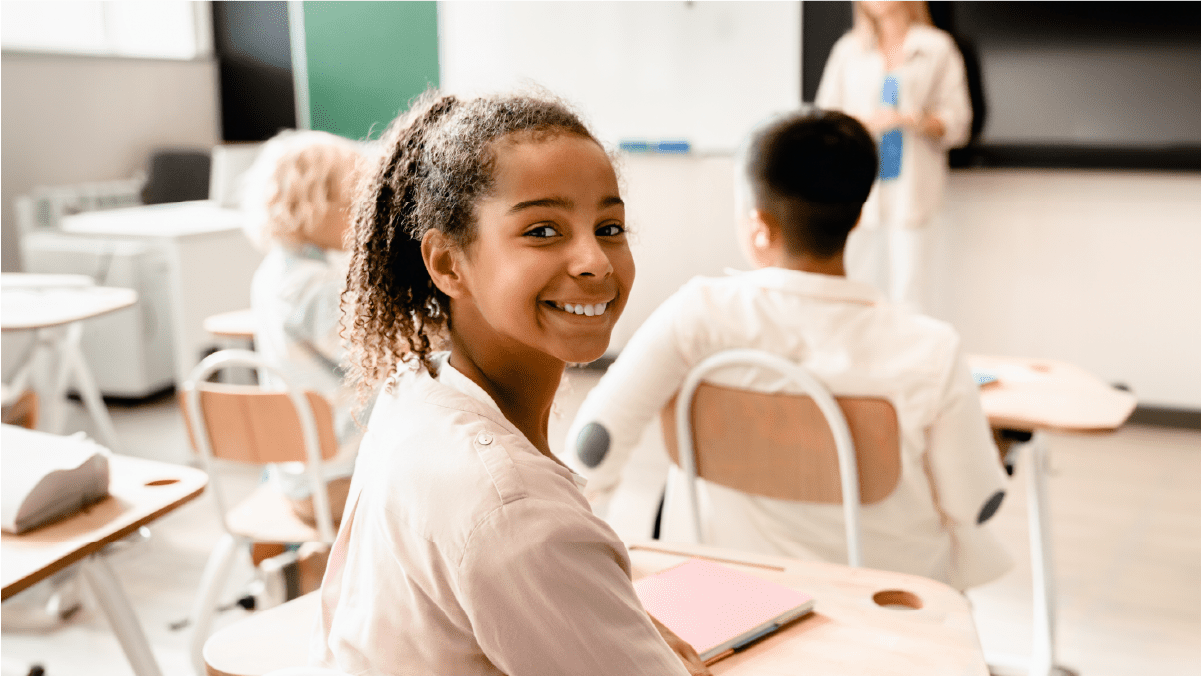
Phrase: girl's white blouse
(464, 550)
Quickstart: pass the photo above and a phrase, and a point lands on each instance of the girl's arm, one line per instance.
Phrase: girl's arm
(547, 590)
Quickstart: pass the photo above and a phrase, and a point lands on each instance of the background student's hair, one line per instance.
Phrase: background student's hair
(296, 179)
(437, 161)
(812, 171)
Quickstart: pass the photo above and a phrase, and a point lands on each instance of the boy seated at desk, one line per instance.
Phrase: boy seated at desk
(297, 201)
(807, 176)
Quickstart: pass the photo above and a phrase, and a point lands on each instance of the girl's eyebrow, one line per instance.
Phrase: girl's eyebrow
(561, 203)
(556, 202)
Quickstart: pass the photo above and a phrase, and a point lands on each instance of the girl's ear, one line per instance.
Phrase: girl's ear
(443, 263)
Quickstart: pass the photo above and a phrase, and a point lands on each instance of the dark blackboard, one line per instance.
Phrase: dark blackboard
(1076, 84)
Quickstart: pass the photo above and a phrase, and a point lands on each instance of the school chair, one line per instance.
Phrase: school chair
(249, 424)
(811, 447)
(20, 408)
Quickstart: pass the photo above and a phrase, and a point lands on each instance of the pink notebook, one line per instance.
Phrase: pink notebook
(716, 608)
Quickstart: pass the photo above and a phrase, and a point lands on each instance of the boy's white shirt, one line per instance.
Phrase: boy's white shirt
(857, 344)
(465, 550)
(931, 80)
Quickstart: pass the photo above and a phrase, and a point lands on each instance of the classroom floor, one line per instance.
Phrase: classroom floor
(1126, 517)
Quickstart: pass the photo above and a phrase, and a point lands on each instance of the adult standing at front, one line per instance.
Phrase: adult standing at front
(905, 80)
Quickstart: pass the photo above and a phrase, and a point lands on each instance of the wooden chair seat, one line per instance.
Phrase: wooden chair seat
(266, 641)
(266, 516)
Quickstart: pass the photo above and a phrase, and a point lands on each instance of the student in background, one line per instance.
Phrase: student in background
(297, 202)
(805, 178)
(493, 227)
(905, 81)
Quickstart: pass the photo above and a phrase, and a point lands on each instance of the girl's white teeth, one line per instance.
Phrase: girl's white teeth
(588, 310)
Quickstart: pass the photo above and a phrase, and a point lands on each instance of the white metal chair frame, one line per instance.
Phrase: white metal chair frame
(217, 568)
(811, 386)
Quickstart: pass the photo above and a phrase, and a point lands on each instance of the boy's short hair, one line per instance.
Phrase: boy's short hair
(812, 171)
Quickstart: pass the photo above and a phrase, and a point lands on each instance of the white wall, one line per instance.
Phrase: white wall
(69, 119)
(701, 71)
(1101, 269)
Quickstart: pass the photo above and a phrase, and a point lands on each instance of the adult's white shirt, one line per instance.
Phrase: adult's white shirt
(858, 345)
(465, 550)
(931, 81)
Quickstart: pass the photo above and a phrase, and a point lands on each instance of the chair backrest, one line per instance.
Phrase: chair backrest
(250, 425)
(801, 447)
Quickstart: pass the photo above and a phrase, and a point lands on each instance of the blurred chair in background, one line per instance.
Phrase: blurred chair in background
(248, 424)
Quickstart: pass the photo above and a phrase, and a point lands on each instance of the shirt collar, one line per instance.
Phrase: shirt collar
(826, 287)
(453, 378)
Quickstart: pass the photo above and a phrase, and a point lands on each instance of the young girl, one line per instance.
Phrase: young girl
(297, 202)
(492, 226)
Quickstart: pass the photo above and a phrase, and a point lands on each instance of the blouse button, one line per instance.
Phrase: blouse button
(484, 438)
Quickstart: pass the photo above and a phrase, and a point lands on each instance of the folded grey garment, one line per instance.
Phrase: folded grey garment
(48, 477)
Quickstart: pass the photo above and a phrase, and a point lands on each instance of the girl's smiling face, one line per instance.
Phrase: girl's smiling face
(549, 269)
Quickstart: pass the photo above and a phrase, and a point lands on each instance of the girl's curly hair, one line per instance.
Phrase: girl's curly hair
(436, 163)
(297, 178)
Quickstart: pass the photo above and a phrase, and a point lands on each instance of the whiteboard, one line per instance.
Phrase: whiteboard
(706, 72)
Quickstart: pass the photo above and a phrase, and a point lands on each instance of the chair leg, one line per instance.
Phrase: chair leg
(216, 572)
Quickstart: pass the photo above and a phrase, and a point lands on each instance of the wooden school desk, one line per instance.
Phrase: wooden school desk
(1030, 397)
(141, 491)
(54, 308)
(848, 633)
(236, 324)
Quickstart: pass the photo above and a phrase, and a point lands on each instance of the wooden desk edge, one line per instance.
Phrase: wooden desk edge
(25, 582)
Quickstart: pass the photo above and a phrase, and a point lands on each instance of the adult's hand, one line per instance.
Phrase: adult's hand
(686, 652)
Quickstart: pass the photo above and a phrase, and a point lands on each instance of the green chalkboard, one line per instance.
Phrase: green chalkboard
(366, 61)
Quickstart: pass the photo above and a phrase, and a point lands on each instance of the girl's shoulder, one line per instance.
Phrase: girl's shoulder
(436, 464)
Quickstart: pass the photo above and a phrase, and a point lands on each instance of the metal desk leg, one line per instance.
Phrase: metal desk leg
(115, 604)
(1043, 578)
(88, 391)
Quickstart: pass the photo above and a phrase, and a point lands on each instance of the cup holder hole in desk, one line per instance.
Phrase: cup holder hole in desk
(161, 483)
(897, 599)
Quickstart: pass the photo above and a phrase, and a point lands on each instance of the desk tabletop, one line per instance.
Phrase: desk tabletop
(234, 324)
(1033, 394)
(863, 621)
(848, 632)
(164, 221)
(28, 306)
(140, 491)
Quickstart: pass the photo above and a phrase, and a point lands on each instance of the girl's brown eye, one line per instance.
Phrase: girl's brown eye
(610, 230)
(541, 232)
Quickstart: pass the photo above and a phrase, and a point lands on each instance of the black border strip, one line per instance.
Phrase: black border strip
(1187, 158)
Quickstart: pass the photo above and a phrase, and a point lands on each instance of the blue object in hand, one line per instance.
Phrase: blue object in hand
(891, 143)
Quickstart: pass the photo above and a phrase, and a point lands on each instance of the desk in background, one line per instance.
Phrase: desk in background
(141, 491)
(1030, 397)
(54, 307)
(210, 262)
(848, 633)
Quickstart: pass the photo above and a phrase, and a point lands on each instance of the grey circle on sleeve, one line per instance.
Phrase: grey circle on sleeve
(990, 507)
(592, 444)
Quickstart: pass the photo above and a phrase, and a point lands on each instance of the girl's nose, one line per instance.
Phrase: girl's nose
(589, 259)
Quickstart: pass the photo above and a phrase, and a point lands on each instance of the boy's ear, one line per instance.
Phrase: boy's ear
(442, 263)
(765, 231)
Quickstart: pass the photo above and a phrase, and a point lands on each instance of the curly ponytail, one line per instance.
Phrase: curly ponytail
(436, 164)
